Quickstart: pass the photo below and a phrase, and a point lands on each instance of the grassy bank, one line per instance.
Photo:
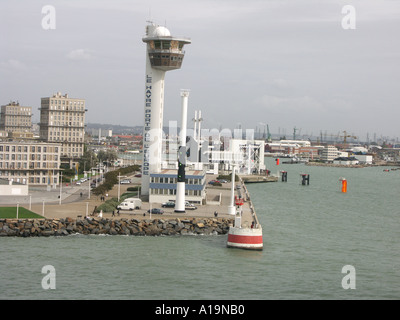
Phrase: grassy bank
(11, 213)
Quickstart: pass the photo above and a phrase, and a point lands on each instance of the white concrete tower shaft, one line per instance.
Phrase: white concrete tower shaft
(180, 185)
(163, 53)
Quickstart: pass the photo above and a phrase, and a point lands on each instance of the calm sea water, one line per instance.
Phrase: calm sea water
(310, 233)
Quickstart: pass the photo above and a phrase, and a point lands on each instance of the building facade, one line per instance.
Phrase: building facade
(29, 162)
(15, 118)
(329, 153)
(62, 120)
(163, 186)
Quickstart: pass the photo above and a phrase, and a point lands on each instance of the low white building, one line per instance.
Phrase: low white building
(364, 158)
(345, 161)
(8, 188)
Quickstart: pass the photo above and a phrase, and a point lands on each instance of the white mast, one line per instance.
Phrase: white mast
(180, 186)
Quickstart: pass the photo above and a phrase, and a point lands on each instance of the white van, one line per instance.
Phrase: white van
(130, 204)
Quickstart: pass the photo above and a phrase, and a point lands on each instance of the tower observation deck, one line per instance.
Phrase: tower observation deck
(165, 52)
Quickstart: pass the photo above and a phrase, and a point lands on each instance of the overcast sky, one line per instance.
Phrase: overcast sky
(285, 63)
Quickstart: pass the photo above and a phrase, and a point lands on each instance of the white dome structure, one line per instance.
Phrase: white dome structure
(161, 32)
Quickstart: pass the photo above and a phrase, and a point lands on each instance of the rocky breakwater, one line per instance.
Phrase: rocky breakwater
(145, 227)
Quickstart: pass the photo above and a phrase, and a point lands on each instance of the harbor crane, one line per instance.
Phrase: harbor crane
(345, 136)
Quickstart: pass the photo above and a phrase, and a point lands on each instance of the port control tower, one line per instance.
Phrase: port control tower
(163, 53)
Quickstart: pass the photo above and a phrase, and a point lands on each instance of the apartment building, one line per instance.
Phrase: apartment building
(30, 162)
(15, 118)
(329, 153)
(62, 120)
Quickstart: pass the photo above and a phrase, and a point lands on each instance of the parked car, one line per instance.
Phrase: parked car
(138, 175)
(156, 211)
(223, 181)
(78, 182)
(126, 181)
(93, 185)
(190, 206)
(169, 204)
(130, 204)
(213, 181)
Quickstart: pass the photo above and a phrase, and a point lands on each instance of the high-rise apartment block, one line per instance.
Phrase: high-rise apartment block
(62, 119)
(15, 118)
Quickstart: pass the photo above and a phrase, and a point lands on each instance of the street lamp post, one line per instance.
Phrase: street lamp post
(60, 187)
(119, 183)
(90, 182)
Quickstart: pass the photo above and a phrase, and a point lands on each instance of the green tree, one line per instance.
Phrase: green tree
(88, 160)
(108, 156)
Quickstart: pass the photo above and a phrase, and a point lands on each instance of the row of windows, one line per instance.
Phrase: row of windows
(68, 139)
(20, 118)
(65, 124)
(16, 110)
(33, 180)
(73, 149)
(24, 157)
(173, 58)
(25, 149)
(175, 180)
(167, 44)
(52, 101)
(64, 130)
(173, 192)
(58, 116)
(70, 134)
(32, 165)
(25, 173)
(17, 123)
